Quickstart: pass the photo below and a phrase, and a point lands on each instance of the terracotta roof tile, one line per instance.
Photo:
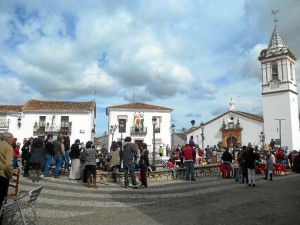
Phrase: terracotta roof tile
(10, 108)
(139, 105)
(41, 105)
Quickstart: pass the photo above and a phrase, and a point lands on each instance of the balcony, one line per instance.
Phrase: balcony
(4, 124)
(138, 131)
(43, 129)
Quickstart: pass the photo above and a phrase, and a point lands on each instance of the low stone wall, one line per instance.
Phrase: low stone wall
(164, 174)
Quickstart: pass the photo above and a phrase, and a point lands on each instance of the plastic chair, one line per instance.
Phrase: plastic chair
(20, 205)
(262, 168)
(222, 170)
(277, 168)
(283, 168)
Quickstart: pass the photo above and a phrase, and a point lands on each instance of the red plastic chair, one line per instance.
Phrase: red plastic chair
(277, 169)
(224, 171)
(283, 168)
(262, 168)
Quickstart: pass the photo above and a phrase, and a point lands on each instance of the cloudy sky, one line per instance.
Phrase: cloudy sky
(189, 55)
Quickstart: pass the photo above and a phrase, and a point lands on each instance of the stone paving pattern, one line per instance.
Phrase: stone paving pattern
(65, 201)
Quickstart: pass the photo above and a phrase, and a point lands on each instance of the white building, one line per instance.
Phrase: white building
(279, 93)
(230, 127)
(280, 119)
(40, 118)
(136, 120)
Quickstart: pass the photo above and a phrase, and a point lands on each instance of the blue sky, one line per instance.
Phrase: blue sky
(191, 56)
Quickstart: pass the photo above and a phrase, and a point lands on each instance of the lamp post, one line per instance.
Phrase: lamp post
(172, 138)
(202, 134)
(112, 131)
(154, 120)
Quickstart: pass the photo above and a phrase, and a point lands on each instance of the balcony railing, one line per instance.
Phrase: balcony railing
(55, 129)
(4, 123)
(138, 131)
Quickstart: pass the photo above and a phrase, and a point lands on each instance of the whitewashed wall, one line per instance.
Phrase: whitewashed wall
(80, 121)
(164, 135)
(213, 134)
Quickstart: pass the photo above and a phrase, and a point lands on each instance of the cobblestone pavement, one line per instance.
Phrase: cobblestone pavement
(209, 200)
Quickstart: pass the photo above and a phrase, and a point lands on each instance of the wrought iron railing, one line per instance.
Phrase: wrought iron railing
(4, 123)
(138, 131)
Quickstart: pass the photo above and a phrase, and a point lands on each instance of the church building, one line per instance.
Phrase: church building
(279, 93)
(280, 120)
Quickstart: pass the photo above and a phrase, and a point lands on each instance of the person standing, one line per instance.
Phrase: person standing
(189, 155)
(16, 148)
(37, 157)
(250, 163)
(144, 164)
(127, 155)
(269, 167)
(75, 171)
(49, 153)
(90, 155)
(114, 159)
(192, 143)
(58, 149)
(207, 154)
(6, 165)
(67, 145)
(227, 160)
(26, 157)
(160, 151)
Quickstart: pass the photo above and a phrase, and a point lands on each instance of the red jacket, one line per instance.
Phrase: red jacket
(16, 151)
(188, 153)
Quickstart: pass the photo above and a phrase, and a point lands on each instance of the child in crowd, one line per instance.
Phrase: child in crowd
(171, 167)
(269, 167)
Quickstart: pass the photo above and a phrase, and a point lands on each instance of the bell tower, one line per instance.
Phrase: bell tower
(279, 92)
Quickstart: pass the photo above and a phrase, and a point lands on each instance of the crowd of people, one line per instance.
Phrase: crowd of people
(39, 157)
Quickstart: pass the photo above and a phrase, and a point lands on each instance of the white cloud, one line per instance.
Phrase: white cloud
(192, 56)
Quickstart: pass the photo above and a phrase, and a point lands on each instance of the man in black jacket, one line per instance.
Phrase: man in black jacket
(128, 156)
(49, 154)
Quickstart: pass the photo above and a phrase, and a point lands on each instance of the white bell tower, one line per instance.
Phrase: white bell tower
(279, 92)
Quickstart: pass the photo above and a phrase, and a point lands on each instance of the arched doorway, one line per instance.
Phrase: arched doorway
(231, 141)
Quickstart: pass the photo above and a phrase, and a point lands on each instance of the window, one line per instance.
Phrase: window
(42, 122)
(65, 121)
(122, 119)
(291, 69)
(274, 71)
(158, 123)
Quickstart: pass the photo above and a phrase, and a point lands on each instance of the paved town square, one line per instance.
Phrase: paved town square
(209, 200)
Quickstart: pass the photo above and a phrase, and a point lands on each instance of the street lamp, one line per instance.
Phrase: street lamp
(202, 134)
(112, 131)
(173, 130)
(154, 121)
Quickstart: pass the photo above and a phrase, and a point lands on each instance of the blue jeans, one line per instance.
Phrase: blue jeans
(190, 170)
(15, 162)
(58, 162)
(67, 160)
(48, 162)
(129, 167)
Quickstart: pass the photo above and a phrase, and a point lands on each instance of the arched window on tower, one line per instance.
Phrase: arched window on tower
(291, 69)
(274, 71)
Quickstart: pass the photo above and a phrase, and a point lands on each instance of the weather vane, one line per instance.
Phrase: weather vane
(274, 12)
